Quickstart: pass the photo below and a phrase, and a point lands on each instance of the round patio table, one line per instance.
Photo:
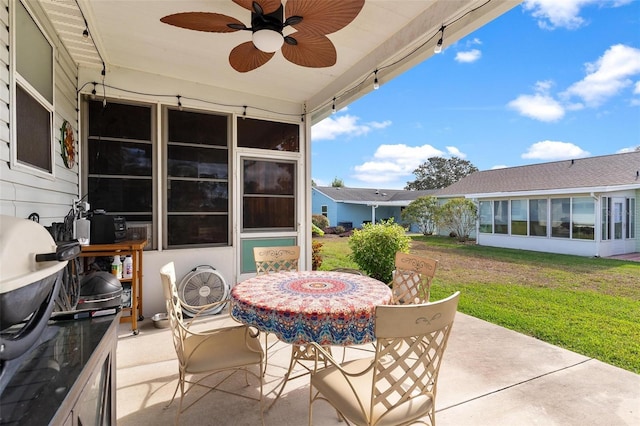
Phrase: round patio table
(329, 308)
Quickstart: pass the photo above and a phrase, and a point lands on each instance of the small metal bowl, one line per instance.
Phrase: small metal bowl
(160, 320)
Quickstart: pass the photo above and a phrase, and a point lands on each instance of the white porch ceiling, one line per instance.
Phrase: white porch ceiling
(389, 35)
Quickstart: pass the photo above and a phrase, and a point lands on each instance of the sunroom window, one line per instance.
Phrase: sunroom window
(519, 217)
(197, 179)
(583, 218)
(486, 217)
(538, 217)
(120, 166)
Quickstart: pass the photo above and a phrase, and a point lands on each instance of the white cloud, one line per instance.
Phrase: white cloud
(553, 14)
(540, 106)
(628, 149)
(607, 76)
(554, 150)
(391, 163)
(455, 152)
(343, 126)
(468, 56)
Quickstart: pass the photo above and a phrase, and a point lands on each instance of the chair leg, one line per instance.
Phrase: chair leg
(266, 354)
(310, 404)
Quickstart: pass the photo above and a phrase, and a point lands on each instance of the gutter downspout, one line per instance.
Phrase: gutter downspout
(373, 213)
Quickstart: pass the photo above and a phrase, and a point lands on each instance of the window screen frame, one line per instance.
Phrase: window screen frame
(293, 196)
(167, 179)
(18, 80)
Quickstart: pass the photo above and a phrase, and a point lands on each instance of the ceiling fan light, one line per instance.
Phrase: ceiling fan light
(268, 40)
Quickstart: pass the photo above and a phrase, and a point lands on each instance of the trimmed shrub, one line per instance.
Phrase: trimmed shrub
(374, 248)
(320, 221)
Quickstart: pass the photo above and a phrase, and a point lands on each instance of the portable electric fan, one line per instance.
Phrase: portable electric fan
(201, 286)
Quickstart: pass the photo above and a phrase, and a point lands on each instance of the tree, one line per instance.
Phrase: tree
(459, 217)
(422, 211)
(337, 183)
(438, 172)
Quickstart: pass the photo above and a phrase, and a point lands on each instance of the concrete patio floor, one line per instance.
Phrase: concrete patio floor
(490, 376)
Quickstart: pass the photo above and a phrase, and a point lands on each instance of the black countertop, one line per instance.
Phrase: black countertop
(38, 382)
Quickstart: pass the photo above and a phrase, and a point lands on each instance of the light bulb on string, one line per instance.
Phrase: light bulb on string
(93, 92)
(179, 102)
(333, 106)
(438, 47)
(244, 112)
(376, 84)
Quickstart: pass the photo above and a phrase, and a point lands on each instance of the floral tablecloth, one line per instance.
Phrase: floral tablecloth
(330, 308)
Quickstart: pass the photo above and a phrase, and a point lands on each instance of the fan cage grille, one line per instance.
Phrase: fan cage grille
(201, 286)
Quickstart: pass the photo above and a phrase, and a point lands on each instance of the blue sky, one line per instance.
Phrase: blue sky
(549, 80)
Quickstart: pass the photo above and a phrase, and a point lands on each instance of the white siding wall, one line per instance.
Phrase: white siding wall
(22, 193)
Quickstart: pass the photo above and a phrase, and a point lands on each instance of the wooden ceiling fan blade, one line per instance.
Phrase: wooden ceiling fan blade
(246, 57)
(202, 21)
(268, 6)
(312, 50)
(322, 16)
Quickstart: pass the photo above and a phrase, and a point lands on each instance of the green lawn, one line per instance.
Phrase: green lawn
(587, 305)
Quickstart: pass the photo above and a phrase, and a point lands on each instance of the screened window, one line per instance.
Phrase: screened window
(268, 195)
(325, 210)
(34, 93)
(560, 217)
(519, 217)
(120, 160)
(197, 179)
(486, 217)
(583, 218)
(270, 135)
(501, 216)
(538, 217)
(631, 215)
(606, 218)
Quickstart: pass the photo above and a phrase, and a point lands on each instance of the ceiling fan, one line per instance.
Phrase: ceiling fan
(308, 46)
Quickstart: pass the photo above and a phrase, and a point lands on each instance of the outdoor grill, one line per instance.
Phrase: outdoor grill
(32, 266)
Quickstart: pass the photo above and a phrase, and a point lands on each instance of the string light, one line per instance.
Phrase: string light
(179, 102)
(244, 112)
(376, 83)
(85, 33)
(438, 47)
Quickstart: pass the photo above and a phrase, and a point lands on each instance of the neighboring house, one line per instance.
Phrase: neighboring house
(351, 207)
(585, 206)
(103, 101)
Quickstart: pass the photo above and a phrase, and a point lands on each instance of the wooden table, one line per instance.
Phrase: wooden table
(124, 248)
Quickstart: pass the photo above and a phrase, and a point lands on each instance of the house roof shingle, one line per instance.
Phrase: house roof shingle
(602, 171)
